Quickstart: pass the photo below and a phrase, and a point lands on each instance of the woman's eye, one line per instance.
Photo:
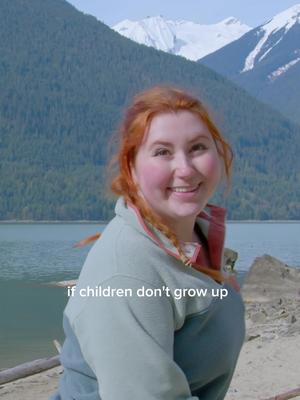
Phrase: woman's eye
(164, 152)
(199, 146)
(161, 152)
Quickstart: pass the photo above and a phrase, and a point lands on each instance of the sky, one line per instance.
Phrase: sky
(251, 12)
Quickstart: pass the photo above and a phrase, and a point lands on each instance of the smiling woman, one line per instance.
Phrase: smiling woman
(177, 169)
(165, 238)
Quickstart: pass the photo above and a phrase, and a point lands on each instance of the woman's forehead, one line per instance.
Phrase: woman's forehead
(170, 126)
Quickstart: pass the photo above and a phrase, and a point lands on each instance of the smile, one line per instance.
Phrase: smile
(181, 189)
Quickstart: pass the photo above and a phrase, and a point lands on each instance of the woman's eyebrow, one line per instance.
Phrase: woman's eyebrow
(162, 142)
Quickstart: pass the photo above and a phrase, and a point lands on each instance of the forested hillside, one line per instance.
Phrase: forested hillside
(64, 79)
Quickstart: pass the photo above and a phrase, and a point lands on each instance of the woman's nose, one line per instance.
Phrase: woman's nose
(184, 166)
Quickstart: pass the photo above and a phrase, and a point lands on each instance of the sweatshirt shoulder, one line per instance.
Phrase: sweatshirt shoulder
(123, 250)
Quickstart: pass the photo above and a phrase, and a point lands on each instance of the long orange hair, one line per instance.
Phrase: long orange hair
(136, 122)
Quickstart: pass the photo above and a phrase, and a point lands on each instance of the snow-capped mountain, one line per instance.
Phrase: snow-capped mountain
(266, 61)
(184, 38)
(270, 35)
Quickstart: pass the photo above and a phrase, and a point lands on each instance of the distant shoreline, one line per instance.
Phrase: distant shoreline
(86, 222)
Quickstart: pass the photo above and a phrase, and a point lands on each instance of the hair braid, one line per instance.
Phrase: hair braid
(157, 222)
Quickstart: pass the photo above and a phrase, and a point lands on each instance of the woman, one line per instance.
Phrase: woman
(162, 331)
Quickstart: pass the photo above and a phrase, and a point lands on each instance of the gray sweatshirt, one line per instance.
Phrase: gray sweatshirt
(142, 325)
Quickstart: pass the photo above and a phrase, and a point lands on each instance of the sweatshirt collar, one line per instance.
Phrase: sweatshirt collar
(211, 221)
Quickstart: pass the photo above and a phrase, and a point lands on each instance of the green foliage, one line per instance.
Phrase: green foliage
(65, 79)
(74, 194)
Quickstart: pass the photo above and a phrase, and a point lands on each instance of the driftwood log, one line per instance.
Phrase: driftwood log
(28, 368)
(291, 394)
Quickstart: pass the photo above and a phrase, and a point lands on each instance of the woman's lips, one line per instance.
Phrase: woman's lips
(189, 194)
(187, 189)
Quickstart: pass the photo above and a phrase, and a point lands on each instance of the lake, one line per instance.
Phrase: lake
(32, 255)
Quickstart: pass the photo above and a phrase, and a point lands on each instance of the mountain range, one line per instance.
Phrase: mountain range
(65, 80)
(183, 38)
(264, 60)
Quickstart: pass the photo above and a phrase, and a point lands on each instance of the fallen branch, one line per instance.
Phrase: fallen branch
(28, 368)
(287, 395)
(64, 284)
(57, 345)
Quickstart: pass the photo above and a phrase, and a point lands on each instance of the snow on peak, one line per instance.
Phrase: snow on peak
(151, 31)
(284, 20)
(185, 38)
(230, 20)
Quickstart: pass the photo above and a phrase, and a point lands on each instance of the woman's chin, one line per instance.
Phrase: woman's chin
(185, 210)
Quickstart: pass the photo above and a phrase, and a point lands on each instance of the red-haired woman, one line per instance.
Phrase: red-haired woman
(154, 316)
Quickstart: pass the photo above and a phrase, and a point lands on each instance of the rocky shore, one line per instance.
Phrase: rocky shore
(269, 362)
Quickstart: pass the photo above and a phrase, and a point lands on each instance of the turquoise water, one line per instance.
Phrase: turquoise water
(30, 320)
(32, 255)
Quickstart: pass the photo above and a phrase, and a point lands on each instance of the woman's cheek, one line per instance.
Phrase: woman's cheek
(154, 177)
(211, 165)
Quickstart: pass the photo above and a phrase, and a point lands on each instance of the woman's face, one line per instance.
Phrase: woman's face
(177, 166)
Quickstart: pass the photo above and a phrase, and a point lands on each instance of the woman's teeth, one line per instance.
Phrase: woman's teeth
(183, 190)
